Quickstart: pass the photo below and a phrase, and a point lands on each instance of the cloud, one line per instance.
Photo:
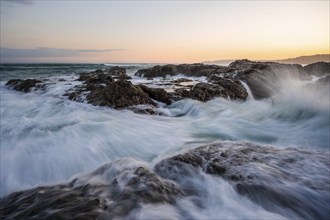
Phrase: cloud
(22, 2)
(41, 52)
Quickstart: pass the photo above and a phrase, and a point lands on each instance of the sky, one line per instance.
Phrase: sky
(161, 31)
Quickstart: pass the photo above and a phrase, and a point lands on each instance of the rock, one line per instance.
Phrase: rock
(158, 94)
(205, 91)
(181, 80)
(24, 85)
(119, 94)
(266, 175)
(120, 193)
(197, 70)
(234, 87)
(158, 71)
(263, 77)
(323, 81)
(247, 64)
(318, 69)
(278, 179)
(118, 72)
(144, 111)
(95, 78)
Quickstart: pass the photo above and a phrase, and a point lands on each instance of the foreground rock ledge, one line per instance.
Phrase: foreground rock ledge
(271, 177)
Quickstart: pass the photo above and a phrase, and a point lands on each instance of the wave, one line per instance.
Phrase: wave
(257, 182)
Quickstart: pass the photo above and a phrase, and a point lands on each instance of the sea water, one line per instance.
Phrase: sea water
(47, 139)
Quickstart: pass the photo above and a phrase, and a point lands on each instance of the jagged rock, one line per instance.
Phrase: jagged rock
(234, 87)
(278, 179)
(263, 77)
(197, 69)
(270, 177)
(97, 77)
(158, 94)
(118, 72)
(24, 85)
(112, 198)
(119, 94)
(205, 91)
(318, 69)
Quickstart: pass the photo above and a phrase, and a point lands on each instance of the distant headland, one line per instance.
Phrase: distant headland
(297, 60)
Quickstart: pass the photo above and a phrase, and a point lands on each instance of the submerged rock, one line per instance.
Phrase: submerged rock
(25, 85)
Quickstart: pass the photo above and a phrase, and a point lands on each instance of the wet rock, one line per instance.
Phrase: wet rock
(270, 177)
(197, 70)
(323, 81)
(318, 69)
(119, 94)
(25, 85)
(158, 71)
(97, 77)
(205, 91)
(54, 202)
(278, 179)
(234, 87)
(118, 72)
(158, 94)
(144, 111)
(263, 77)
(181, 80)
(81, 199)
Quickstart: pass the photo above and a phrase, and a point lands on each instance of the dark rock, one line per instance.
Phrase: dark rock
(269, 176)
(95, 78)
(318, 69)
(205, 91)
(247, 64)
(323, 81)
(197, 70)
(87, 200)
(158, 71)
(24, 85)
(181, 80)
(144, 111)
(118, 72)
(158, 94)
(119, 94)
(234, 87)
(263, 77)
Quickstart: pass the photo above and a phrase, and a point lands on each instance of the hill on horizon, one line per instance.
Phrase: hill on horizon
(297, 60)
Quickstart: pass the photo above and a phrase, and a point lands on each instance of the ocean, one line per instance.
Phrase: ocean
(47, 139)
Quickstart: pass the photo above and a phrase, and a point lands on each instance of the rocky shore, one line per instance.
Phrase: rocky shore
(112, 87)
(120, 188)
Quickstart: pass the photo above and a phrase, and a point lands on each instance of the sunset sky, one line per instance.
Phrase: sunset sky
(161, 31)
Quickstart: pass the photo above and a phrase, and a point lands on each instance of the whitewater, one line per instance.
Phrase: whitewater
(47, 139)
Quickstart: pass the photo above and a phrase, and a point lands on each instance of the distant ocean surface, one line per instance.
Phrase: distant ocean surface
(47, 139)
